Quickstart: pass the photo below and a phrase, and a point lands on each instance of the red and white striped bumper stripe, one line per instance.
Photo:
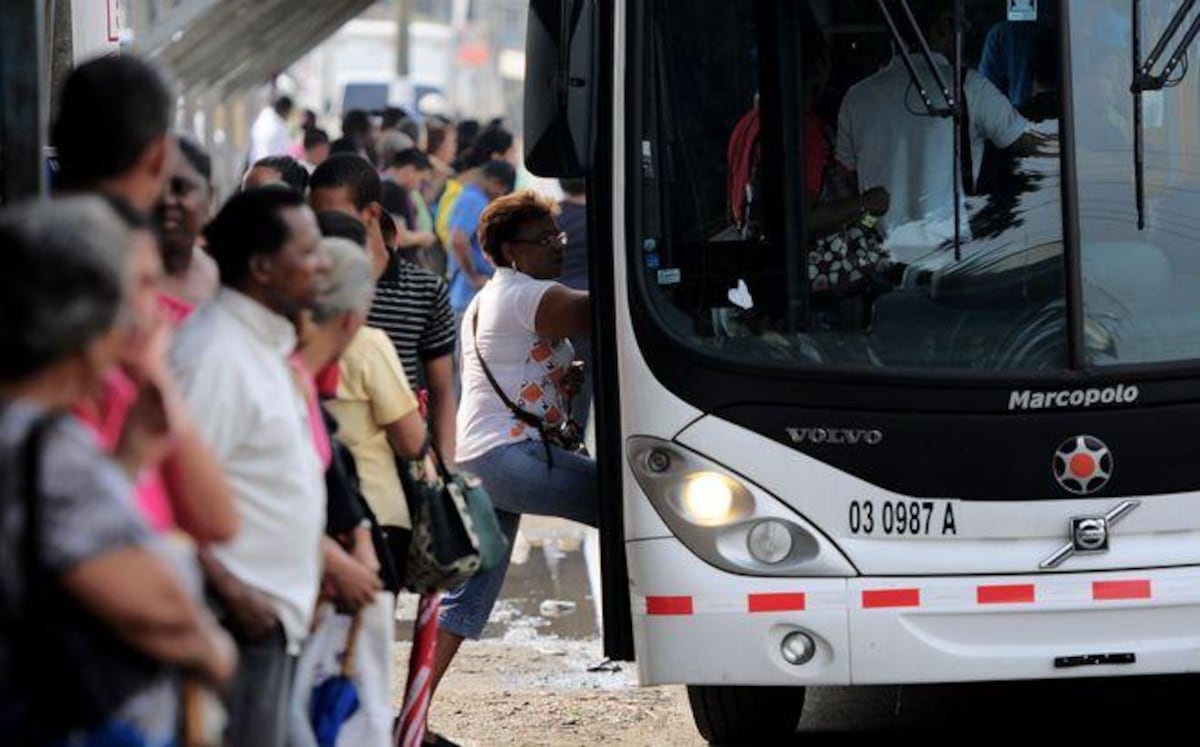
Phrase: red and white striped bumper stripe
(936, 596)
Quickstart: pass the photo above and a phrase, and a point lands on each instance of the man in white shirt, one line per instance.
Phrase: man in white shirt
(269, 136)
(885, 138)
(232, 361)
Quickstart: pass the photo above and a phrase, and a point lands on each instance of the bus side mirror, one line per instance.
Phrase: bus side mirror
(559, 87)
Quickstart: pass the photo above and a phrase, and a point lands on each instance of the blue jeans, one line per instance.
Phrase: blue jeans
(519, 481)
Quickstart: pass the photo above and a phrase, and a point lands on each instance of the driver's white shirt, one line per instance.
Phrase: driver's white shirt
(884, 135)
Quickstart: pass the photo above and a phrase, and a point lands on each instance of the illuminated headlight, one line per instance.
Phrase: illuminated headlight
(770, 542)
(724, 519)
(708, 499)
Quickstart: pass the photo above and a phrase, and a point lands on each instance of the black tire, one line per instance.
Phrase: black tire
(737, 715)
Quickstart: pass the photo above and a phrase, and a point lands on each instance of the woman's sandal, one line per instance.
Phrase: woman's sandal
(433, 739)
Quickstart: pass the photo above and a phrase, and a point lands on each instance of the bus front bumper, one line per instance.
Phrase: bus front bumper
(695, 624)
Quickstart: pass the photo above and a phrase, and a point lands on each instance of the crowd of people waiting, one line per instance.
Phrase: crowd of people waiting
(202, 412)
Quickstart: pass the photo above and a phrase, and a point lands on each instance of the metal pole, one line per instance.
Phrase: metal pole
(1139, 163)
(62, 50)
(403, 17)
(22, 90)
(959, 124)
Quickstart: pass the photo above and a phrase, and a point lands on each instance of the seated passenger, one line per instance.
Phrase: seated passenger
(885, 137)
(828, 215)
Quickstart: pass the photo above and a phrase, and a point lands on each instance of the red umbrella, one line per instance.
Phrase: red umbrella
(410, 730)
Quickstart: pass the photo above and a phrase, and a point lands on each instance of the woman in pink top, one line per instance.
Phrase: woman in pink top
(184, 487)
(191, 277)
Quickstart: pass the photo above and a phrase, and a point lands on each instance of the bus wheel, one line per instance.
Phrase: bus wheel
(728, 714)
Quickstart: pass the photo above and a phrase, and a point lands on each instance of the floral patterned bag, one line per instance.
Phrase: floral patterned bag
(848, 262)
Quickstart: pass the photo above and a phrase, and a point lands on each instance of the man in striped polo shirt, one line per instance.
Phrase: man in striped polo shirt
(412, 305)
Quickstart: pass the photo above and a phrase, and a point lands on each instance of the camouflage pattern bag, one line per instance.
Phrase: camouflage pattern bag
(444, 550)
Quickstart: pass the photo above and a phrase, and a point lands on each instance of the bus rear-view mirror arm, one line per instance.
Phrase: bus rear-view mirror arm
(952, 108)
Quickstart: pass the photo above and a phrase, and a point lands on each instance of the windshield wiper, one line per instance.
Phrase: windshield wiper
(953, 108)
(1145, 79)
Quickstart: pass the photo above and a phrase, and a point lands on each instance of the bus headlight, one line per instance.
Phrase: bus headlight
(708, 498)
(725, 520)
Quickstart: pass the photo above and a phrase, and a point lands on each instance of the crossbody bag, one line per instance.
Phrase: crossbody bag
(567, 435)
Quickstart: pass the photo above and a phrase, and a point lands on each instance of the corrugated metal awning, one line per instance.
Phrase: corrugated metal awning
(224, 46)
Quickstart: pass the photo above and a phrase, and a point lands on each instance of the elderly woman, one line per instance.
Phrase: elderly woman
(378, 420)
(91, 611)
(513, 421)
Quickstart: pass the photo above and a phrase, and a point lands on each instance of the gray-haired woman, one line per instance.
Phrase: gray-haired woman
(378, 420)
(80, 571)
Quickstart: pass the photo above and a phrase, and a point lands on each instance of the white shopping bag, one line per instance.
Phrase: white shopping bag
(371, 724)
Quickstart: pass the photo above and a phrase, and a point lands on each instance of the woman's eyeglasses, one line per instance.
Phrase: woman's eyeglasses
(546, 240)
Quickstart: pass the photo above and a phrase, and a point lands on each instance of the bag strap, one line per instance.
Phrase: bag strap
(30, 494)
(27, 481)
(523, 415)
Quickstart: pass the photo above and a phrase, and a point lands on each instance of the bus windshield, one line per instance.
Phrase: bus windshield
(809, 196)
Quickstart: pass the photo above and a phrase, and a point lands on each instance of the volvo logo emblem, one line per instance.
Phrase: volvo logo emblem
(1082, 464)
(1089, 534)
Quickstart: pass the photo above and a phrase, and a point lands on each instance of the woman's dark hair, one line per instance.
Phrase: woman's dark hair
(290, 171)
(504, 217)
(250, 223)
(336, 224)
(196, 155)
(62, 280)
(110, 111)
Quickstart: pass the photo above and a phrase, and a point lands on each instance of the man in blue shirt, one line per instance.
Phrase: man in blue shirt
(466, 265)
(1009, 51)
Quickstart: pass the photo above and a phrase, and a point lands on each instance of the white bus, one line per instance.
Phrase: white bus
(970, 461)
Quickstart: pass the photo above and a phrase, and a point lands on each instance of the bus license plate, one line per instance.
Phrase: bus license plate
(912, 518)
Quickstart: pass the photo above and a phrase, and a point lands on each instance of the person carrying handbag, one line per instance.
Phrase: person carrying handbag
(514, 427)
